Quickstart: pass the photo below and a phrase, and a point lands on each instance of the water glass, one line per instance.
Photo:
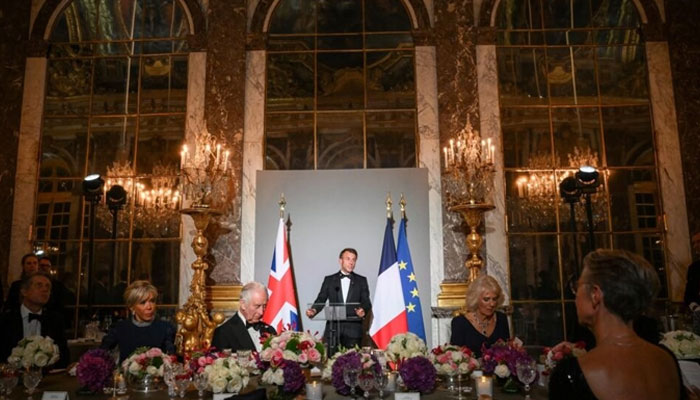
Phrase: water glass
(201, 381)
(527, 372)
(350, 377)
(31, 380)
(366, 381)
(380, 382)
(182, 384)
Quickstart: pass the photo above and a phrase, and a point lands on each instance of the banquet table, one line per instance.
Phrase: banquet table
(64, 382)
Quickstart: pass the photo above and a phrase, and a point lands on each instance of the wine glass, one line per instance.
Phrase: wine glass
(366, 381)
(183, 382)
(200, 383)
(380, 381)
(350, 376)
(527, 372)
(31, 380)
(169, 378)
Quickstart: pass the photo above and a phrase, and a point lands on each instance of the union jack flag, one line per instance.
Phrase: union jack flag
(282, 311)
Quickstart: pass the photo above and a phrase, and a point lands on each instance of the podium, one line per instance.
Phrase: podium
(334, 314)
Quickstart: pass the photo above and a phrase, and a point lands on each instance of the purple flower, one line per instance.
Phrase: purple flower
(95, 369)
(294, 378)
(351, 359)
(503, 353)
(418, 373)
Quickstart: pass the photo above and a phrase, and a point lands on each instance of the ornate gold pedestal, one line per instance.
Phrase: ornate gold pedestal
(196, 329)
(472, 213)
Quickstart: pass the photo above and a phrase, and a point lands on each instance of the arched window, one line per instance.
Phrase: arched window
(341, 87)
(573, 91)
(115, 105)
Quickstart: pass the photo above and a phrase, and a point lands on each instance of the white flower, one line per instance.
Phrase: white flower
(41, 359)
(47, 345)
(218, 385)
(151, 370)
(134, 368)
(502, 371)
(32, 347)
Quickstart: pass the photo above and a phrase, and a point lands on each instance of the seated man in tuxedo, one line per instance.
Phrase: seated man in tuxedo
(344, 286)
(31, 318)
(244, 330)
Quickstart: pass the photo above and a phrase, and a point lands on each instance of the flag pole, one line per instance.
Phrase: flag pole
(403, 207)
(282, 203)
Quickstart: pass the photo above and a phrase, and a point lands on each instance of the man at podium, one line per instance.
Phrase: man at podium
(343, 287)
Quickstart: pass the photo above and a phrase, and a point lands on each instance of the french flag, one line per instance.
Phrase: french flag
(282, 312)
(388, 304)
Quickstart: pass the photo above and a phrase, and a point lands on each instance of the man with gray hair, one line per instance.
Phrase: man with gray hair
(245, 329)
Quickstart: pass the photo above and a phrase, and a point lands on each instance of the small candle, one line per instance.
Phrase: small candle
(314, 390)
(444, 149)
(484, 386)
(391, 382)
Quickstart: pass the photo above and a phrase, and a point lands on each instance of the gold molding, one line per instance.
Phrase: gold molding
(452, 294)
(223, 297)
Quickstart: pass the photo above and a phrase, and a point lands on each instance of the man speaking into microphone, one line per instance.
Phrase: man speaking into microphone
(344, 286)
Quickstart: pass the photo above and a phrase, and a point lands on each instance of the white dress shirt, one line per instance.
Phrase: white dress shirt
(345, 284)
(30, 328)
(254, 335)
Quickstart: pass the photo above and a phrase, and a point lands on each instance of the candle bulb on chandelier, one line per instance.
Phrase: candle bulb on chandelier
(492, 153)
(444, 150)
(218, 156)
(226, 154)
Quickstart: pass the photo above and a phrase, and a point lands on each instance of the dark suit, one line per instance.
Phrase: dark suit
(233, 335)
(13, 331)
(349, 332)
(692, 286)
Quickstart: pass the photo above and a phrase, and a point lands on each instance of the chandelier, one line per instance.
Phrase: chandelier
(536, 197)
(468, 167)
(155, 208)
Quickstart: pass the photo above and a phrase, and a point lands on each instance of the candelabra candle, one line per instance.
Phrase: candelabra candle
(204, 171)
(469, 164)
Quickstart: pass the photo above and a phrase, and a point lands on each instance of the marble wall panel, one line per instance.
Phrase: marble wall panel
(224, 105)
(14, 28)
(455, 38)
(684, 48)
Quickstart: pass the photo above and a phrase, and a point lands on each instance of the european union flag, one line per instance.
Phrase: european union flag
(409, 283)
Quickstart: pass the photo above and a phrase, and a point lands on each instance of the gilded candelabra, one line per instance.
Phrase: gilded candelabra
(469, 169)
(205, 175)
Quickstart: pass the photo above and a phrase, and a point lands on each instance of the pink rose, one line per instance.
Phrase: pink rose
(154, 352)
(303, 358)
(314, 355)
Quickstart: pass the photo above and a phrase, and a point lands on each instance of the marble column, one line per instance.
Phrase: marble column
(27, 163)
(194, 122)
(663, 108)
(429, 158)
(490, 127)
(253, 126)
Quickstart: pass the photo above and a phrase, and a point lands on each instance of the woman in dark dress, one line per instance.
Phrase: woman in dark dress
(142, 328)
(615, 288)
(481, 324)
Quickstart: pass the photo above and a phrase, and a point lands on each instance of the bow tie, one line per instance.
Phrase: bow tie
(255, 325)
(343, 276)
(33, 317)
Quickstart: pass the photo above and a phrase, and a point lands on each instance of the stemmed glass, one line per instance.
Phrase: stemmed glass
(380, 381)
(31, 379)
(169, 378)
(350, 377)
(182, 382)
(200, 383)
(527, 372)
(366, 381)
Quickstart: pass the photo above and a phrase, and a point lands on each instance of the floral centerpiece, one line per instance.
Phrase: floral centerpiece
(144, 367)
(404, 346)
(453, 360)
(227, 374)
(562, 351)
(501, 360)
(300, 347)
(684, 344)
(286, 360)
(418, 374)
(366, 363)
(34, 352)
(94, 370)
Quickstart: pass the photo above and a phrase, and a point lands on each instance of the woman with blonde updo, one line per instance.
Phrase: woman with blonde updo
(481, 324)
(142, 328)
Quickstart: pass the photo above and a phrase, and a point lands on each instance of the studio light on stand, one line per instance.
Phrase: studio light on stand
(116, 198)
(92, 190)
(588, 180)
